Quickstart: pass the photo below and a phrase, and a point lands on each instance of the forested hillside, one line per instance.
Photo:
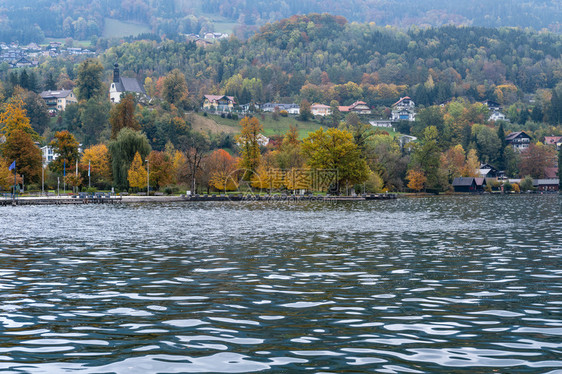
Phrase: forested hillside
(323, 58)
(32, 20)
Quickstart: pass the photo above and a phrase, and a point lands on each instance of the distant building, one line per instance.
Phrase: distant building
(48, 155)
(359, 107)
(289, 108)
(404, 110)
(555, 141)
(469, 184)
(121, 86)
(518, 140)
(488, 171)
(546, 184)
(58, 100)
(320, 110)
(492, 105)
(219, 103)
(497, 116)
(382, 123)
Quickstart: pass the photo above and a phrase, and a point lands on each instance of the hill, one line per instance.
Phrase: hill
(82, 19)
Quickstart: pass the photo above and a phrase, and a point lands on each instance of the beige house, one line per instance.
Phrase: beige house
(359, 107)
(220, 103)
(58, 100)
(320, 110)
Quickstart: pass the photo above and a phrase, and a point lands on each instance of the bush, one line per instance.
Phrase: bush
(527, 184)
(515, 188)
(507, 187)
(235, 117)
(91, 190)
(204, 114)
(222, 115)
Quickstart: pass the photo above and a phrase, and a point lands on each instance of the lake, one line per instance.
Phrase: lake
(448, 284)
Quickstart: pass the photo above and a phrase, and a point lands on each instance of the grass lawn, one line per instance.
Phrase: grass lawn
(77, 43)
(272, 127)
(114, 28)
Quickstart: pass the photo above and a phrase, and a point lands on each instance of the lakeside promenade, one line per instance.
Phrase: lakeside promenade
(112, 199)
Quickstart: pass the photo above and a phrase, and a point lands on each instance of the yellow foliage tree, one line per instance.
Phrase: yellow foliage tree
(472, 164)
(97, 156)
(416, 179)
(137, 173)
(6, 176)
(261, 178)
(14, 117)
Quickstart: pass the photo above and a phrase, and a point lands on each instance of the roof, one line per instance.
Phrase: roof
(552, 139)
(402, 99)
(463, 181)
(480, 181)
(515, 135)
(129, 85)
(545, 182)
(57, 94)
(320, 106)
(218, 97)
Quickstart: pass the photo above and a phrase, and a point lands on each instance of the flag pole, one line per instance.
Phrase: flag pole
(15, 173)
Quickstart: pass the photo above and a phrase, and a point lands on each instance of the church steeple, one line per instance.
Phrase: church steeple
(116, 73)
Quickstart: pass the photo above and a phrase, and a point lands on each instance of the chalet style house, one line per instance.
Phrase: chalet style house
(219, 103)
(359, 107)
(58, 100)
(403, 110)
(121, 86)
(518, 140)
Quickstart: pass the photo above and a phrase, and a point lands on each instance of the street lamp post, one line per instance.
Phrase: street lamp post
(147, 178)
(42, 180)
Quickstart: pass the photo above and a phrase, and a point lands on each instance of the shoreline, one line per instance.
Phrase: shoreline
(76, 200)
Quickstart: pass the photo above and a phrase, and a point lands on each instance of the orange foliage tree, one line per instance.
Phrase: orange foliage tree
(416, 179)
(221, 167)
(160, 169)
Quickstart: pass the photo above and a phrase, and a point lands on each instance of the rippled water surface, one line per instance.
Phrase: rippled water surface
(442, 284)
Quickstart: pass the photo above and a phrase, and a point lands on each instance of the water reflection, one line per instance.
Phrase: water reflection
(413, 285)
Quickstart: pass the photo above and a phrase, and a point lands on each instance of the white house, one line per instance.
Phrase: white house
(404, 110)
(497, 116)
(121, 86)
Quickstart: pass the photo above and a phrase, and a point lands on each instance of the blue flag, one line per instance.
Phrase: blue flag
(88, 168)
(12, 166)
(64, 165)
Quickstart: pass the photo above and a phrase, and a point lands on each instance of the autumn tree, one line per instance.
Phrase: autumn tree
(97, 159)
(21, 148)
(249, 146)
(221, 166)
(174, 88)
(305, 112)
(194, 147)
(89, 79)
(65, 145)
(160, 169)
(416, 179)
(136, 175)
(334, 149)
(14, 117)
(536, 159)
(6, 176)
(453, 162)
(123, 115)
(123, 150)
